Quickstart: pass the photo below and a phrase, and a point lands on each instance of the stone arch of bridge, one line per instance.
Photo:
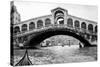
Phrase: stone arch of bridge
(40, 36)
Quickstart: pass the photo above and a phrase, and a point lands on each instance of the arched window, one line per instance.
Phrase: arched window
(96, 29)
(16, 29)
(70, 22)
(90, 28)
(83, 25)
(47, 22)
(39, 23)
(24, 27)
(77, 24)
(31, 25)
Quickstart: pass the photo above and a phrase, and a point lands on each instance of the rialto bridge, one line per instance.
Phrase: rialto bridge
(33, 31)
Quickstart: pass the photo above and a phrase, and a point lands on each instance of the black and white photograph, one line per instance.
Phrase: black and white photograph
(44, 33)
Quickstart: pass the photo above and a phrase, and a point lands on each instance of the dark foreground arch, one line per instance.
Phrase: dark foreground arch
(42, 35)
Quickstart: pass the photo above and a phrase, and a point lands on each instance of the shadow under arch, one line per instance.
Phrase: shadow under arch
(42, 35)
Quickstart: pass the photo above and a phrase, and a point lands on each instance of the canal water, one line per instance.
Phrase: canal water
(58, 54)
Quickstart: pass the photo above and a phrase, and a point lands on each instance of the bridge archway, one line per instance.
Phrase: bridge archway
(90, 28)
(83, 25)
(24, 27)
(70, 22)
(31, 26)
(47, 22)
(16, 29)
(39, 23)
(77, 24)
(59, 17)
(40, 36)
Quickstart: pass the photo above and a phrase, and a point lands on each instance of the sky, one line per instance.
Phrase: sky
(29, 9)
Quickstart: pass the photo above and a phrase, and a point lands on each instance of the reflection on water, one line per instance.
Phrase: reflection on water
(58, 54)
